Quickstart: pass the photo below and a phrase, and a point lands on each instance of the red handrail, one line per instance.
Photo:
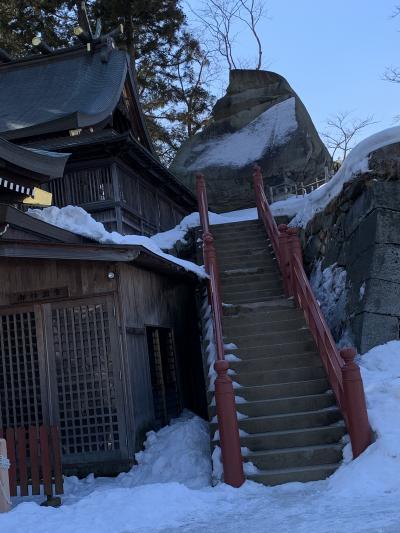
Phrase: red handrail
(342, 372)
(224, 394)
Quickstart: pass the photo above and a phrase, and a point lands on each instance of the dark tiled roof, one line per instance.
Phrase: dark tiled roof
(42, 162)
(61, 91)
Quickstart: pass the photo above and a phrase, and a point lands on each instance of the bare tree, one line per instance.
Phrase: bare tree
(392, 73)
(342, 133)
(224, 19)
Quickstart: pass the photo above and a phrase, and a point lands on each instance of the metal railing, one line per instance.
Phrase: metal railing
(342, 372)
(232, 460)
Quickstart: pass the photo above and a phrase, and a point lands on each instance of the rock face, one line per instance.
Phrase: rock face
(260, 119)
(359, 232)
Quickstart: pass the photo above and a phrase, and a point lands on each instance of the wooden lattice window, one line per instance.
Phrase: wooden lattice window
(163, 374)
(85, 379)
(20, 393)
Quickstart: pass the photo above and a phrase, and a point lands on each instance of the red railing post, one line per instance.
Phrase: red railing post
(355, 405)
(294, 250)
(228, 426)
(258, 185)
(285, 259)
(224, 393)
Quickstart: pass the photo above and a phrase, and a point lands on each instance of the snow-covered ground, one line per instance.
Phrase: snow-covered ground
(169, 490)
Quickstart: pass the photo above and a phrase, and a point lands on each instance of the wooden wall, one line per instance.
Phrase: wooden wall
(142, 298)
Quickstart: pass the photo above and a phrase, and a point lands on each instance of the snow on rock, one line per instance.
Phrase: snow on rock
(304, 208)
(329, 287)
(77, 220)
(269, 130)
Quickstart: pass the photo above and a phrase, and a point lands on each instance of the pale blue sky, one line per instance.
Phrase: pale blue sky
(334, 54)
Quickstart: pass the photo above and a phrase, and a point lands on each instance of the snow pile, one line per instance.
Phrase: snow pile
(269, 130)
(377, 470)
(362, 496)
(305, 207)
(329, 287)
(179, 452)
(167, 239)
(77, 220)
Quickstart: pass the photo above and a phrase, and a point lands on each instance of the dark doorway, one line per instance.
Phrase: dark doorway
(163, 371)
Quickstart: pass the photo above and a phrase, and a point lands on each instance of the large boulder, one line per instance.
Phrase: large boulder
(260, 119)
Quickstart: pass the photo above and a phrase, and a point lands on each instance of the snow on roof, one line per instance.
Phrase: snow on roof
(269, 130)
(304, 208)
(77, 220)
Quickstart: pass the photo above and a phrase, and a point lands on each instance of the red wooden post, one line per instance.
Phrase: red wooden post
(10, 439)
(228, 426)
(284, 259)
(22, 464)
(355, 405)
(224, 394)
(258, 184)
(294, 250)
(34, 457)
(45, 459)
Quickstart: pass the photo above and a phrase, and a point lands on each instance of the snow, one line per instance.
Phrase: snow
(304, 208)
(362, 496)
(329, 287)
(269, 130)
(77, 220)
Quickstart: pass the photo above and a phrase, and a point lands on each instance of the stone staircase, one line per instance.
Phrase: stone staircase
(291, 428)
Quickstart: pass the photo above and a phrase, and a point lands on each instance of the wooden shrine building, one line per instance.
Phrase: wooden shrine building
(83, 101)
(99, 339)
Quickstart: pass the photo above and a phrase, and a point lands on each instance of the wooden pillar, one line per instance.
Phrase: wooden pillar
(355, 405)
(5, 502)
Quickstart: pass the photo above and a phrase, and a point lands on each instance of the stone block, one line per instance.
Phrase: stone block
(371, 329)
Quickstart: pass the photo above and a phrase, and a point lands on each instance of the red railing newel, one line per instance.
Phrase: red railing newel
(228, 426)
(354, 403)
(224, 393)
(285, 259)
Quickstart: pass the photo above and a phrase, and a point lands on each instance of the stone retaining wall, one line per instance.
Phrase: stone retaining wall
(360, 231)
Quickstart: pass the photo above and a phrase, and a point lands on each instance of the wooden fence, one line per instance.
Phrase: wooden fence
(35, 459)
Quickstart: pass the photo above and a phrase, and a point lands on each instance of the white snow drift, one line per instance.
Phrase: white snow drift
(362, 496)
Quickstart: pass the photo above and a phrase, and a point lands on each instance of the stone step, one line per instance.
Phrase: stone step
(289, 421)
(294, 438)
(251, 296)
(260, 251)
(229, 273)
(237, 227)
(242, 281)
(233, 263)
(251, 286)
(251, 242)
(235, 330)
(262, 314)
(292, 404)
(269, 337)
(265, 364)
(283, 375)
(287, 348)
(284, 390)
(289, 475)
(317, 455)
(283, 405)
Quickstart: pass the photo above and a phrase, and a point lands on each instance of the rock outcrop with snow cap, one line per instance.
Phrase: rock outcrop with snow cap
(260, 119)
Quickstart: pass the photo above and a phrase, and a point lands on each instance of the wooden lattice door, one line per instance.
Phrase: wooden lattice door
(23, 395)
(87, 369)
(163, 371)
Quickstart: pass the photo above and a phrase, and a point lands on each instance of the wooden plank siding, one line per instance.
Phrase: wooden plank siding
(134, 299)
(118, 196)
